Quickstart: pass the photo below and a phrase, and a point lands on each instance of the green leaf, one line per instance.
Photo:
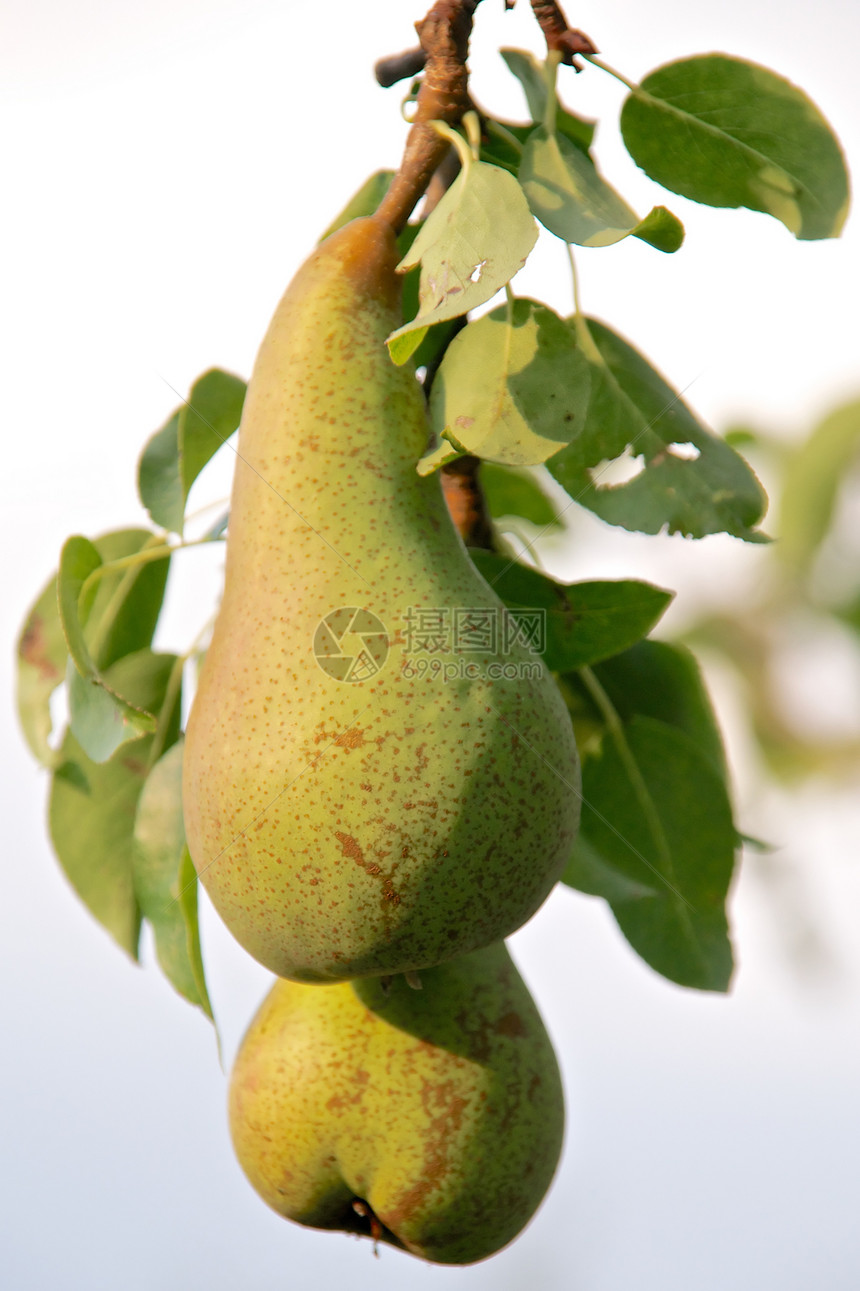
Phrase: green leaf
(78, 559)
(531, 75)
(511, 492)
(122, 618)
(92, 805)
(363, 202)
(473, 243)
(727, 132)
(584, 622)
(532, 396)
(434, 340)
(158, 479)
(692, 482)
(165, 880)
(814, 474)
(175, 455)
(502, 143)
(569, 196)
(127, 600)
(657, 841)
(663, 681)
(100, 717)
(41, 659)
(211, 415)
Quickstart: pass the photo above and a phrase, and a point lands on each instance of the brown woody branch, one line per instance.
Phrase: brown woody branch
(443, 96)
(465, 502)
(397, 67)
(560, 38)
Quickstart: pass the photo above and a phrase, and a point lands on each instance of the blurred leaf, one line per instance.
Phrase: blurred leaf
(569, 196)
(165, 880)
(813, 474)
(584, 622)
(175, 455)
(509, 492)
(692, 482)
(530, 73)
(363, 202)
(728, 132)
(92, 805)
(472, 243)
(532, 396)
(657, 841)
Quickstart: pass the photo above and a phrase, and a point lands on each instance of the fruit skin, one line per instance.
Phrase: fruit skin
(348, 829)
(440, 1110)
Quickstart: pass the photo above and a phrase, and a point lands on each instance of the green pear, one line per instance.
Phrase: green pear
(375, 781)
(431, 1119)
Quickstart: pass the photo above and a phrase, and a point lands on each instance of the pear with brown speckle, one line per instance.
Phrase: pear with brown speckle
(431, 1119)
(379, 775)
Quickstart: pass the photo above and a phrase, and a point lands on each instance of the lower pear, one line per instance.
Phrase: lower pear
(429, 1119)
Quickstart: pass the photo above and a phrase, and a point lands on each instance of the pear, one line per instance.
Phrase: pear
(430, 1119)
(375, 780)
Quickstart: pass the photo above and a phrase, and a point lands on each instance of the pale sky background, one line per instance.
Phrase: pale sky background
(167, 167)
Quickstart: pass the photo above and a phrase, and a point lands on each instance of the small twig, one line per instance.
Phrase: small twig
(398, 67)
(443, 96)
(561, 38)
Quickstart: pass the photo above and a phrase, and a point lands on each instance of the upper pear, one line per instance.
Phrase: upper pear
(379, 774)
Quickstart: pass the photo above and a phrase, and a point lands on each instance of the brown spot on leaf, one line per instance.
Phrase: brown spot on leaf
(510, 1024)
(33, 650)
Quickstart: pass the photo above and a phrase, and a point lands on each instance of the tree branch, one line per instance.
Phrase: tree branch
(444, 96)
(560, 38)
(397, 67)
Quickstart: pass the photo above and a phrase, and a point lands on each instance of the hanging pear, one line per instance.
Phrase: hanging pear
(430, 1119)
(379, 775)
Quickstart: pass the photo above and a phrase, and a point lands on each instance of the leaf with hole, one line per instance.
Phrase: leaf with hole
(691, 482)
(473, 243)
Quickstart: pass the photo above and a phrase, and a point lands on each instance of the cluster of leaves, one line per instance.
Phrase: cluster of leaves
(658, 838)
(571, 392)
(115, 805)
